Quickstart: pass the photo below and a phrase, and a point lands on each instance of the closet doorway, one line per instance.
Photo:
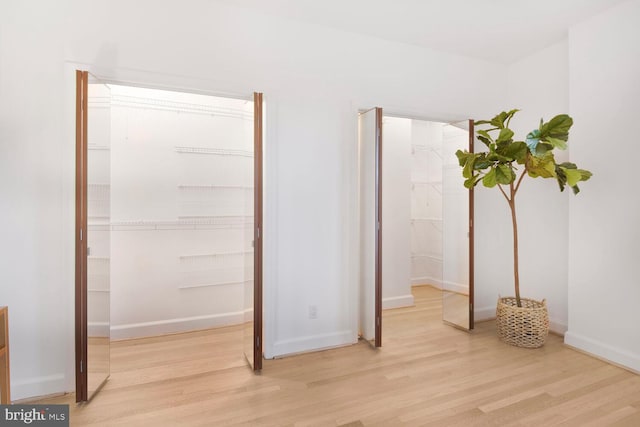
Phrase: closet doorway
(422, 245)
(168, 219)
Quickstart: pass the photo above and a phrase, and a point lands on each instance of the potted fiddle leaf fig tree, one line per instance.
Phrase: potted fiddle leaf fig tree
(506, 162)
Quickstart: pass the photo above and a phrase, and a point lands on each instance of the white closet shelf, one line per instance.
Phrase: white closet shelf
(215, 187)
(217, 254)
(186, 223)
(426, 149)
(435, 222)
(214, 151)
(426, 182)
(97, 147)
(433, 257)
(206, 285)
(436, 185)
(98, 226)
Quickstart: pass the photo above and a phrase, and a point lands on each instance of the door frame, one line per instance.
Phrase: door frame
(471, 249)
(378, 249)
(257, 229)
(81, 208)
(471, 233)
(377, 340)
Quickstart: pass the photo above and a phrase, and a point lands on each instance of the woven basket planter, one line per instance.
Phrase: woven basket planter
(526, 326)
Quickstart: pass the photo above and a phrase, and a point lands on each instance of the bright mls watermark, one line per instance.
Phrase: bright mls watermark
(34, 415)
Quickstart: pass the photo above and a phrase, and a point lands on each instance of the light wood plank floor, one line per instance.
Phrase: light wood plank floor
(426, 374)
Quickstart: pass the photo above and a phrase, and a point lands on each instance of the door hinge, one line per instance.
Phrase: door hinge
(81, 366)
(378, 321)
(258, 342)
(88, 251)
(81, 234)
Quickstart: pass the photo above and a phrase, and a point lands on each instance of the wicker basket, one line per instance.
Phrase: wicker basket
(526, 326)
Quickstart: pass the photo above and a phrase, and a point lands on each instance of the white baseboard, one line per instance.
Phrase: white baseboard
(456, 287)
(480, 314)
(172, 326)
(557, 327)
(98, 329)
(37, 386)
(312, 343)
(397, 302)
(604, 351)
(426, 280)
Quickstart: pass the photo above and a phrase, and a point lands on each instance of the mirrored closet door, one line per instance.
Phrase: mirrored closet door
(457, 229)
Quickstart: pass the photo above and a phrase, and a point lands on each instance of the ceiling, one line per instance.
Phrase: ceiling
(496, 30)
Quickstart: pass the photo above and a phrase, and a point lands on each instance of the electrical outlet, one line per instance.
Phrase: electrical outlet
(313, 312)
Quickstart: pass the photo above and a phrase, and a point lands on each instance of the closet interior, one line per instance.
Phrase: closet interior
(170, 197)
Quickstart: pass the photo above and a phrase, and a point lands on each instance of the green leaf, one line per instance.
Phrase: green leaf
(556, 142)
(498, 120)
(506, 135)
(496, 157)
(557, 128)
(463, 156)
(573, 176)
(517, 151)
(467, 171)
(471, 182)
(585, 174)
(504, 174)
(486, 141)
(482, 163)
(544, 166)
(542, 148)
(489, 179)
(568, 165)
(561, 177)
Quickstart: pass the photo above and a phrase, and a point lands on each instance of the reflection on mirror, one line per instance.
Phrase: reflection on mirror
(367, 147)
(455, 227)
(247, 173)
(98, 235)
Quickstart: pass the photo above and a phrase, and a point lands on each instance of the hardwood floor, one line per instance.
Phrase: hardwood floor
(426, 373)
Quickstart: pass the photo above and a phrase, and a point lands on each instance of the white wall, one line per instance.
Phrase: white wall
(426, 203)
(396, 212)
(604, 236)
(537, 85)
(182, 211)
(314, 79)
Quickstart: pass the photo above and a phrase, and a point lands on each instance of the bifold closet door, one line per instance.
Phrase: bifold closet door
(457, 226)
(370, 155)
(253, 290)
(92, 235)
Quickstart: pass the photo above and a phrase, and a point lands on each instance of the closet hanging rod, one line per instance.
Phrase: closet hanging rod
(178, 106)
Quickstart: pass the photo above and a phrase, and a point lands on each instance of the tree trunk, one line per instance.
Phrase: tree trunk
(516, 274)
